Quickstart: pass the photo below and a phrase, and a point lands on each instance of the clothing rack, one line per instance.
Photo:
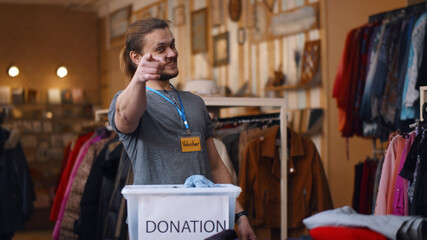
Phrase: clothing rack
(377, 150)
(221, 102)
(100, 113)
(249, 118)
(98, 117)
(410, 10)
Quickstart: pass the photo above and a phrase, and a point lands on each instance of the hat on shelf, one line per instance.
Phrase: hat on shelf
(202, 87)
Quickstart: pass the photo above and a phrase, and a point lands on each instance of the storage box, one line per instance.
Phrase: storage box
(175, 212)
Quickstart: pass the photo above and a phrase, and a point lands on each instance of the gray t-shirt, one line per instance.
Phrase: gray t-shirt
(155, 146)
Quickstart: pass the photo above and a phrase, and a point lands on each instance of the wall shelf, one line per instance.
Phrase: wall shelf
(293, 87)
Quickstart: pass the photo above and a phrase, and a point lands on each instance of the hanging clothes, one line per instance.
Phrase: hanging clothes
(402, 180)
(65, 177)
(16, 186)
(72, 208)
(259, 178)
(97, 192)
(115, 226)
(367, 186)
(384, 202)
(89, 192)
(376, 84)
(222, 151)
(98, 135)
(400, 197)
(414, 170)
(358, 171)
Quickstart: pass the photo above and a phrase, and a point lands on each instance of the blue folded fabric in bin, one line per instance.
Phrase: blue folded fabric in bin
(198, 181)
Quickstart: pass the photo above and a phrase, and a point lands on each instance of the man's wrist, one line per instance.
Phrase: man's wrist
(239, 214)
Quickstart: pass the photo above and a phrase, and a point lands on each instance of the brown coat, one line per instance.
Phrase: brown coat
(259, 179)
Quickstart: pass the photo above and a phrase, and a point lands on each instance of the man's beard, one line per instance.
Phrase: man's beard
(166, 77)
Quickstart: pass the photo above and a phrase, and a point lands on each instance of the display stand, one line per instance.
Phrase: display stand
(265, 102)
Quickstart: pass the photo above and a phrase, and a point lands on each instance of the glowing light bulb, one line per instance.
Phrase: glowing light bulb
(13, 71)
(62, 71)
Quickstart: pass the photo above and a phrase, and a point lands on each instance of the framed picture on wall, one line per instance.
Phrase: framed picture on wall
(217, 13)
(221, 49)
(179, 15)
(119, 21)
(156, 10)
(310, 72)
(259, 31)
(199, 31)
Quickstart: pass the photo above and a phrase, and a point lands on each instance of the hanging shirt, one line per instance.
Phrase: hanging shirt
(82, 153)
(365, 108)
(400, 197)
(410, 94)
(416, 54)
(388, 174)
(259, 178)
(65, 177)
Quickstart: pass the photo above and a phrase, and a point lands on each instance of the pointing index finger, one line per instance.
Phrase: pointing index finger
(160, 59)
(147, 57)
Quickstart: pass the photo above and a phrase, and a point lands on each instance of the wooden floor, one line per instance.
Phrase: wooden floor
(33, 235)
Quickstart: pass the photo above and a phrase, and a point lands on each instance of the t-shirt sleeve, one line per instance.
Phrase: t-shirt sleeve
(111, 114)
(209, 125)
(129, 140)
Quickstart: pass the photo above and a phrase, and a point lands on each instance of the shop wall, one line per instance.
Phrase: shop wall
(38, 39)
(341, 17)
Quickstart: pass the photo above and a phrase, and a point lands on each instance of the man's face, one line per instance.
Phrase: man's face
(161, 44)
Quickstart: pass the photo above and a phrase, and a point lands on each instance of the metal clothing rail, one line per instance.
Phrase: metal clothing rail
(265, 102)
(100, 113)
(249, 118)
(410, 10)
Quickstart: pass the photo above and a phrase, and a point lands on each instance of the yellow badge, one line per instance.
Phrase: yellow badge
(190, 144)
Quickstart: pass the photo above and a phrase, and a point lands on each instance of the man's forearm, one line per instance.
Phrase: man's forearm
(130, 106)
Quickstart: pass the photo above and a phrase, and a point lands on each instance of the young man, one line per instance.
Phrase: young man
(166, 133)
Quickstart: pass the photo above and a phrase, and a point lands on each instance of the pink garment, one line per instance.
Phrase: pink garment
(76, 166)
(400, 198)
(389, 166)
(400, 145)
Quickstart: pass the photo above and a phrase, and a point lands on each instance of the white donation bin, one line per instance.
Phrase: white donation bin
(175, 212)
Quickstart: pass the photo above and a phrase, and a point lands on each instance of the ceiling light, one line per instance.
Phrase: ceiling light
(13, 71)
(62, 71)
